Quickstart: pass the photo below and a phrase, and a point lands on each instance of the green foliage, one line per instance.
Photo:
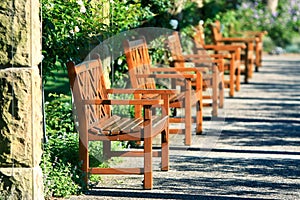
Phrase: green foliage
(70, 29)
(158, 51)
(60, 178)
(60, 165)
(160, 10)
(256, 16)
(282, 26)
(190, 16)
(59, 116)
(127, 15)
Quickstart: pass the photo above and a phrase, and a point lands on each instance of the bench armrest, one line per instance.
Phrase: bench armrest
(142, 91)
(240, 39)
(224, 47)
(175, 69)
(144, 102)
(172, 76)
(206, 60)
(256, 33)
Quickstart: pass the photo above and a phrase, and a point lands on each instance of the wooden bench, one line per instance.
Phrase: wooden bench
(247, 55)
(230, 53)
(96, 123)
(212, 70)
(258, 47)
(143, 75)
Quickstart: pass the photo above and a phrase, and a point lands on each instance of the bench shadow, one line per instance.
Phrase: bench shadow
(153, 195)
(263, 134)
(253, 177)
(218, 150)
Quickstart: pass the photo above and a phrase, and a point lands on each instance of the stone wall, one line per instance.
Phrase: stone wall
(20, 101)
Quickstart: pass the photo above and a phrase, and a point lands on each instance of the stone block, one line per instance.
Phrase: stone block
(20, 33)
(21, 183)
(21, 117)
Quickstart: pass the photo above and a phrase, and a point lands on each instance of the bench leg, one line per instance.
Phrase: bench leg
(84, 156)
(188, 113)
(106, 150)
(215, 92)
(199, 104)
(221, 94)
(251, 59)
(231, 77)
(238, 76)
(165, 150)
(148, 174)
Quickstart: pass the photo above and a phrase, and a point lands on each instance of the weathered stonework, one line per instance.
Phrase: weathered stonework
(20, 33)
(21, 183)
(20, 101)
(20, 122)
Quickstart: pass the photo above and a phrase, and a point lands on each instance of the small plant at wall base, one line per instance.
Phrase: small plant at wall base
(60, 165)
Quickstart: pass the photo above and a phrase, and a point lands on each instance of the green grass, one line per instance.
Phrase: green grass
(59, 84)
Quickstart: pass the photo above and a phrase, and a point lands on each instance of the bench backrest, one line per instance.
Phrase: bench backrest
(175, 48)
(216, 32)
(174, 45)
(139, 62)
(87, 83)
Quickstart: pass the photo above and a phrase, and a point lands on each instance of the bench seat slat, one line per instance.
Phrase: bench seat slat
(118, 128)
(102, 124)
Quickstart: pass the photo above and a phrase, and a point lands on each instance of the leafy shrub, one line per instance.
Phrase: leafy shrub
(282, 26)
(60, 165)
(70, 29)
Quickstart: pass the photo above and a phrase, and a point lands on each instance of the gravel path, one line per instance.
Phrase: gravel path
(251, 152)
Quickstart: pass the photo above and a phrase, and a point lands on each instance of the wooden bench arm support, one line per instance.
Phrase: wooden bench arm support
(193, 58)
(238, 40)
(255, 33)
(172, 76)
(141, 91)
(177, 69)
(224, 47)
(207, 60)
(144, 102)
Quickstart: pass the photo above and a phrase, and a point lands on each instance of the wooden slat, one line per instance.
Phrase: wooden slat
(142, 91)
(116, 170)
(101, 126)
(124, 102)
(135, 136)
(132, 125)
(133, 153)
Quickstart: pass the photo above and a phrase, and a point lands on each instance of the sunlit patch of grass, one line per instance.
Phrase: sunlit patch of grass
(58, 83)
